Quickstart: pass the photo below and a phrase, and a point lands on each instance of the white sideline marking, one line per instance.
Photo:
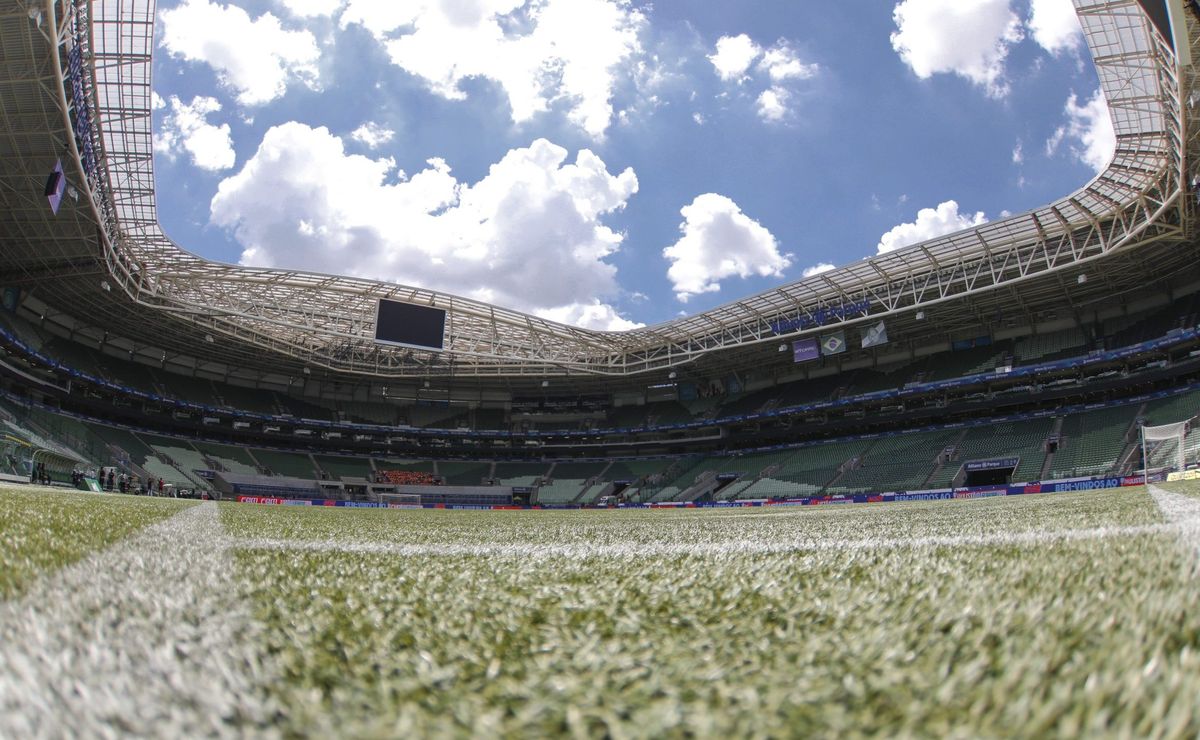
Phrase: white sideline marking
(729, 547)
(147, 638)
(1182, 511)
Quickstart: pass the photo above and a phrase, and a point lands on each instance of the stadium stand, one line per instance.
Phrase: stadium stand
(1092, 441)
(633, 471)
(416, 466)
(899, 462)
(807, 471)
(560, 491)
(457, 473)
(228, 457)
(1180, 407)
(290, 464)
(1052, 346)
(338, 468)
(520, 473)
(256, 401)
(1022, 439)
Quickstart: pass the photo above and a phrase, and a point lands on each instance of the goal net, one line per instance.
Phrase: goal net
(401, 500)
(1170, 447)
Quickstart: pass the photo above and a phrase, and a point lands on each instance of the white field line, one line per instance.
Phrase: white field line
(718, 548)
(147, 638)
(1183, 512)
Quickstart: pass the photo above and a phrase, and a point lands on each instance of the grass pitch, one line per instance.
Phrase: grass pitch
(44, 529)
(1065, 613)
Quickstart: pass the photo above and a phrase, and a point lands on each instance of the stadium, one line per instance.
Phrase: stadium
(439, 516)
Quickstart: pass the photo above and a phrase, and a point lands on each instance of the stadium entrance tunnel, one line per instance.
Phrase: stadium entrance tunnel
(997, 472)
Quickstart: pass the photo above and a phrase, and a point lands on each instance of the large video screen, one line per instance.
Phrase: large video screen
(1161, 17)
(410, 325)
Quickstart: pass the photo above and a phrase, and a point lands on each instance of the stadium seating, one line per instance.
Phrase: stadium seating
(1092, 441)
(457, 473)
(1022, 439)
(561, 491)
(900, 462)
(634, 470)
(338, 468)
(667, 412)
(579, 470)
(182, 455)
(520, 473)
(290, 464)
(1052, 346)
(231, 458)
(254, 400)
(967, 362)
(1168, 410)
(196, 390)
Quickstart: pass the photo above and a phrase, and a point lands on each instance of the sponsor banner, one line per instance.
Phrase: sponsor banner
(804, 350)
(1059, 486)
(981, 492)
(1182, 475)
(821, 316)
(931, 496)
(875, 336)
(1083, 485)
(994, 464)
(833, 344)
(55, 186)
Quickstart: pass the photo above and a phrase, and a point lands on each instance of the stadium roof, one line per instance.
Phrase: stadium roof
(105, 260)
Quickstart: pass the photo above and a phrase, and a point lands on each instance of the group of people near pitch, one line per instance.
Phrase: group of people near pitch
(125, 483)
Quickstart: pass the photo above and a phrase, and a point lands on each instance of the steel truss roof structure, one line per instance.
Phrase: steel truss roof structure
(78, 73)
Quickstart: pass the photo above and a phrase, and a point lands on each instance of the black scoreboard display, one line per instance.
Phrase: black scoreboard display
(410, 325)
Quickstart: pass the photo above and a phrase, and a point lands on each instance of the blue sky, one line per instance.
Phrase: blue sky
(609, 163)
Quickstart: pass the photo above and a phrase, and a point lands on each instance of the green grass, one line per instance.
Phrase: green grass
(1186, 487)
(641, 526)
(43, 531)
(1064, 614)
(894, 635)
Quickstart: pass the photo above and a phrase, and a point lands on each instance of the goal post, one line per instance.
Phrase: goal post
(1165, 447)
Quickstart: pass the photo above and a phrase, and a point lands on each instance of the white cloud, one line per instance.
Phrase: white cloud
(571, 51)
(970, 38)
(733, 56)
(186, 129)
(372, 135)
(772, 104)
(1088, 131)
(311, 8)
(1018, 152)
(781, 63)
(930, 223)
(529, 235)
(594, 315)
(1054, 25)
(817, 269)
(256, 58)
(720, 241)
